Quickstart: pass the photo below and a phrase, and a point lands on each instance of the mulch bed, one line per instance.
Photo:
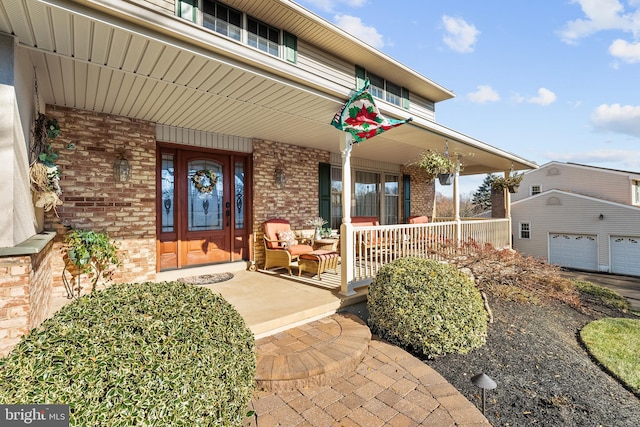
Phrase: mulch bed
(544, 376)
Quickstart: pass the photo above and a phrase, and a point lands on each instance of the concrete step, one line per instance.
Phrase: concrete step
(312, 354)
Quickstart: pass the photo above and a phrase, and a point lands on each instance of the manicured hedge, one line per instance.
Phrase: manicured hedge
(138, 354)
(427, 306)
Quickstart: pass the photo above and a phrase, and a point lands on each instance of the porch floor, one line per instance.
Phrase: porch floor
(273, 301)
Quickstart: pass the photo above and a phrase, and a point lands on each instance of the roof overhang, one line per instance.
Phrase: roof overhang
(157, 68)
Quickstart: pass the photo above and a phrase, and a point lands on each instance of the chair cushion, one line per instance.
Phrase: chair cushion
(289, 238)
(364, 221)
(271, 229)
(299, 249)
(418, 219)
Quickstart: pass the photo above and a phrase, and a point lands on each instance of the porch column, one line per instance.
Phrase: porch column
(456, 203)
(507, 209)
(346, 229)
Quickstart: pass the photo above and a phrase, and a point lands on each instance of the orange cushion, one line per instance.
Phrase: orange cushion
(365, 221)
(300, 249)
(320, 253)
(271, 229)
(418, 219)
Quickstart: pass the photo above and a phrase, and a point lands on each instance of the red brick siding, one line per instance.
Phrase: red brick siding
(422, 191)
(93, 199)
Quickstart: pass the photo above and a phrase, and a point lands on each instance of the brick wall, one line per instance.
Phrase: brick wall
(422, 191)
(297, 202)
(497, 204)
(93, 199)
(25, 289)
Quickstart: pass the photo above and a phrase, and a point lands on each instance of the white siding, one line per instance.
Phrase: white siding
(203, 139)
(324, 65)
(595, 182)
(561, 212)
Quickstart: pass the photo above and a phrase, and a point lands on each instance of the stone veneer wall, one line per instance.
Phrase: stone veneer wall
(25, 291)
(423, 191)
(297, 202)
(93, 199)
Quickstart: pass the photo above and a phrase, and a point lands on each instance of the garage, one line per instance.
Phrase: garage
(578, 251)
(625, 255)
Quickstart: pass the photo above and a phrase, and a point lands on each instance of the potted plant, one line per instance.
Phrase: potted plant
(437, 164)
(91, 253)
(510, 182)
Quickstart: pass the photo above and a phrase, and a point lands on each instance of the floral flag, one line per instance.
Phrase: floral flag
(361, 118)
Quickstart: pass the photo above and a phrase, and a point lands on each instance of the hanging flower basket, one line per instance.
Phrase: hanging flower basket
(436, 164)
(511, 182)
(204, 180)
(445, 178)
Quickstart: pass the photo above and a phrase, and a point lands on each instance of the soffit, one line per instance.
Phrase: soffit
(92, 64)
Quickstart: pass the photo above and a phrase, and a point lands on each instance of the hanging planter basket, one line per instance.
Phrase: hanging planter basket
(513, 188)
(445, 178)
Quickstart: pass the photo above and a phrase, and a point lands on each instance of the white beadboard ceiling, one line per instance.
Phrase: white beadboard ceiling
(87, 59)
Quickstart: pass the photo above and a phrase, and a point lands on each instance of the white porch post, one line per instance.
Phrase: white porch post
(456, 203)
(507, 209)
(346, 229)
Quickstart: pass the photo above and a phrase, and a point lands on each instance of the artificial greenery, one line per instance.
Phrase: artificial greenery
(435, 163)
(511, 182)
(427, 306)
(91, 253)
(153, 354)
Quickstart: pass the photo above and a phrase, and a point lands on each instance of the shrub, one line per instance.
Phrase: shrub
(604, 295)
(427, 306)
(138, 354)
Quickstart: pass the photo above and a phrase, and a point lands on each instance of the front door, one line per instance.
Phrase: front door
(202, 208)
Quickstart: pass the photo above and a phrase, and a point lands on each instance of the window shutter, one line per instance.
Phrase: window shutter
(290, 47)
(361, 76)
(324, 191)
(406, 197)
(405, 99)
(187, 9)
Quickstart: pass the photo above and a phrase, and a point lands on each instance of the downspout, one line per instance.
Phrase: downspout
(346, 228)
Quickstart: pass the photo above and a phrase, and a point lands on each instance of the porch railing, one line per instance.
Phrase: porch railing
(366, 249)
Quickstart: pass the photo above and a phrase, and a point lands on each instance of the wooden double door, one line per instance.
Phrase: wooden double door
(203, 206)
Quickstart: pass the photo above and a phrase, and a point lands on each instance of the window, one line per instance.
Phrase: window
(336, 198)
(391, 198)
(394, 94)
(636, 192)
(525, 230)
(535, 189)
(222, 19)
(383, 89)
(367, 192)
(188, 9)
(263, 36)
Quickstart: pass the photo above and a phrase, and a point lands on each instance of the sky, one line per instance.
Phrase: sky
(551, 80)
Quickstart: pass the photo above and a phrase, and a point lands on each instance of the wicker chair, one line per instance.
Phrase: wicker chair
(279, 252)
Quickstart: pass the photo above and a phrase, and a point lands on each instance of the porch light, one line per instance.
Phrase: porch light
(121, 169)
(280, 177)
(484, 382)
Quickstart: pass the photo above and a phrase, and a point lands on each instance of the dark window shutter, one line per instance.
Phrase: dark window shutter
(324, 191)
(406, 197)
(290, 47)
(361, 76)
(405, 99)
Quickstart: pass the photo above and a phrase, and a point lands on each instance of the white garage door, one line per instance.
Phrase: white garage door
(579, 251)
(625, 255)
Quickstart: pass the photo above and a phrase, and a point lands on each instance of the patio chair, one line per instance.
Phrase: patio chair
(418, 219)
(280, 245)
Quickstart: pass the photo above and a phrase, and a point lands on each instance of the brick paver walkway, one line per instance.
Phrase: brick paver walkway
(389, 387)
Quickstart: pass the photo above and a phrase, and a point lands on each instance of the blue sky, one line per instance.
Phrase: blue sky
(546, 80)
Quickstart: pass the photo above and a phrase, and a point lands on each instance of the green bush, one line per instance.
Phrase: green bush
(138, 354)
(428, 307)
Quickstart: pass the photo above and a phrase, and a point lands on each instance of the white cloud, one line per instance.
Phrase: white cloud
(628, 52)
(599, 15)
(354, 26)
(617, 118)
(545, 97)
(460, 36)
(483, 94)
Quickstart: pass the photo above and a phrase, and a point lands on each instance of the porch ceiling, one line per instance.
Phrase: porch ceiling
(89, 60)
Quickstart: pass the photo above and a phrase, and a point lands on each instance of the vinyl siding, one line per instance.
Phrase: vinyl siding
(159, 5)
(602, 184)
(322, 64)
(574, 215)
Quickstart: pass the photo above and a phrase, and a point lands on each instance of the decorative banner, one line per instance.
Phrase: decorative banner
(361, 118)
